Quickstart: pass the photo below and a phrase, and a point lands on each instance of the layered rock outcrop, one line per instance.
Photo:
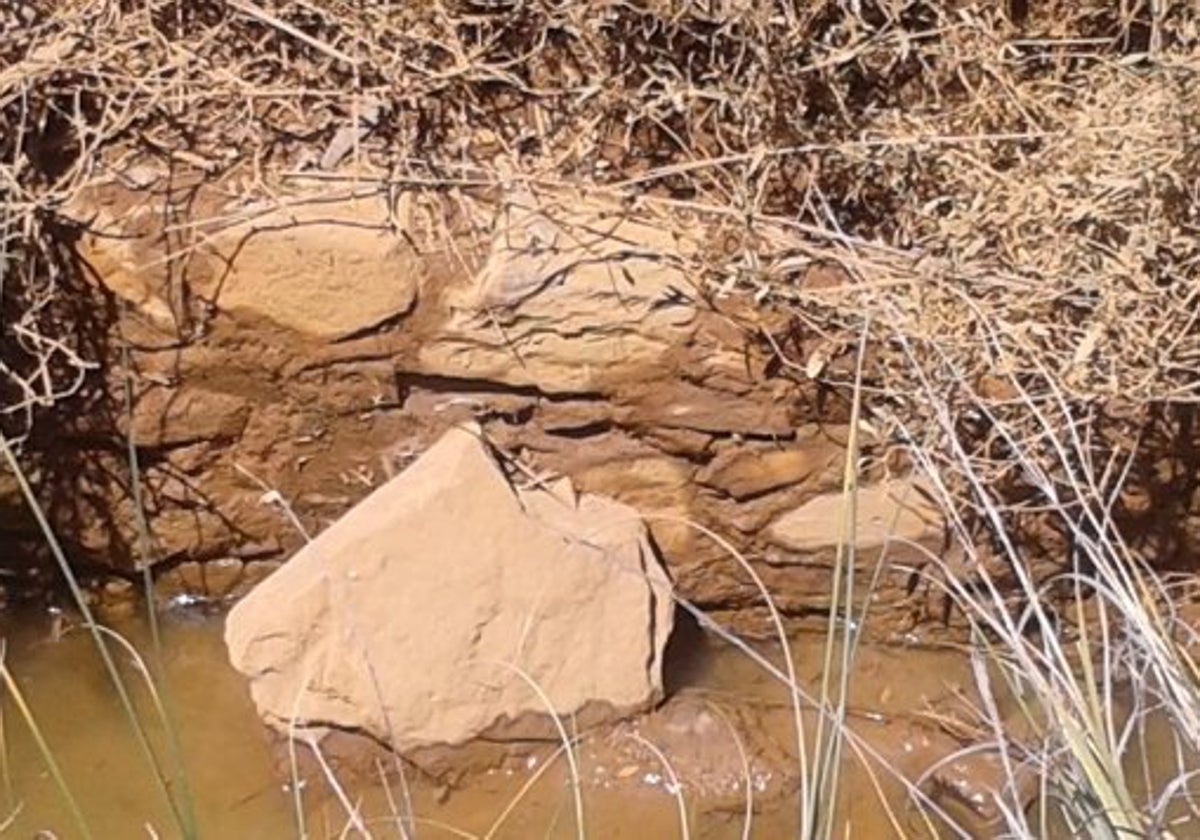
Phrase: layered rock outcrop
(302, 351)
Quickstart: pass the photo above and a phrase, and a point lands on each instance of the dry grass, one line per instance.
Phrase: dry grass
(1010, 187)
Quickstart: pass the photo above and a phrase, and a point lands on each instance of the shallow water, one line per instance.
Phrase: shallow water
(229, 763)
(237, 776)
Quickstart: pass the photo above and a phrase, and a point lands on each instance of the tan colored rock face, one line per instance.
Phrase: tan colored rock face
(890, 511)
(659, 487)
(743, 473)
(411, 617)
(327, 271)
(321, 267)
(165, 418)
(681, 405)
(565, 323)
(568, 298)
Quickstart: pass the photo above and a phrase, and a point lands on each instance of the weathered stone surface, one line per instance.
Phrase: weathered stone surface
(574, 417)
(895, 511)
(659, 487)
(165, 417)
(410, 617)
(317, 264)
(570, 331)
(214, 580)
(328, 270)
(682, 442)
(193, 533)
(186, 578)
(122, 247)
(681, 405)
(222, 575)
(190, 459)
(573, 294)
(743, 472)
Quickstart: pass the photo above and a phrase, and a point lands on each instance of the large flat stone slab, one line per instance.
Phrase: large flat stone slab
(895, 511)
(427, 613)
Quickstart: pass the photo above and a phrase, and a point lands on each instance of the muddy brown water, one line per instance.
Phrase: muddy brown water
(239, 778)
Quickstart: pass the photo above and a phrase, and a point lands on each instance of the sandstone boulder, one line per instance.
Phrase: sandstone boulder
(423, 615)
(324, 269)
(320, 265)
(896, 512)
